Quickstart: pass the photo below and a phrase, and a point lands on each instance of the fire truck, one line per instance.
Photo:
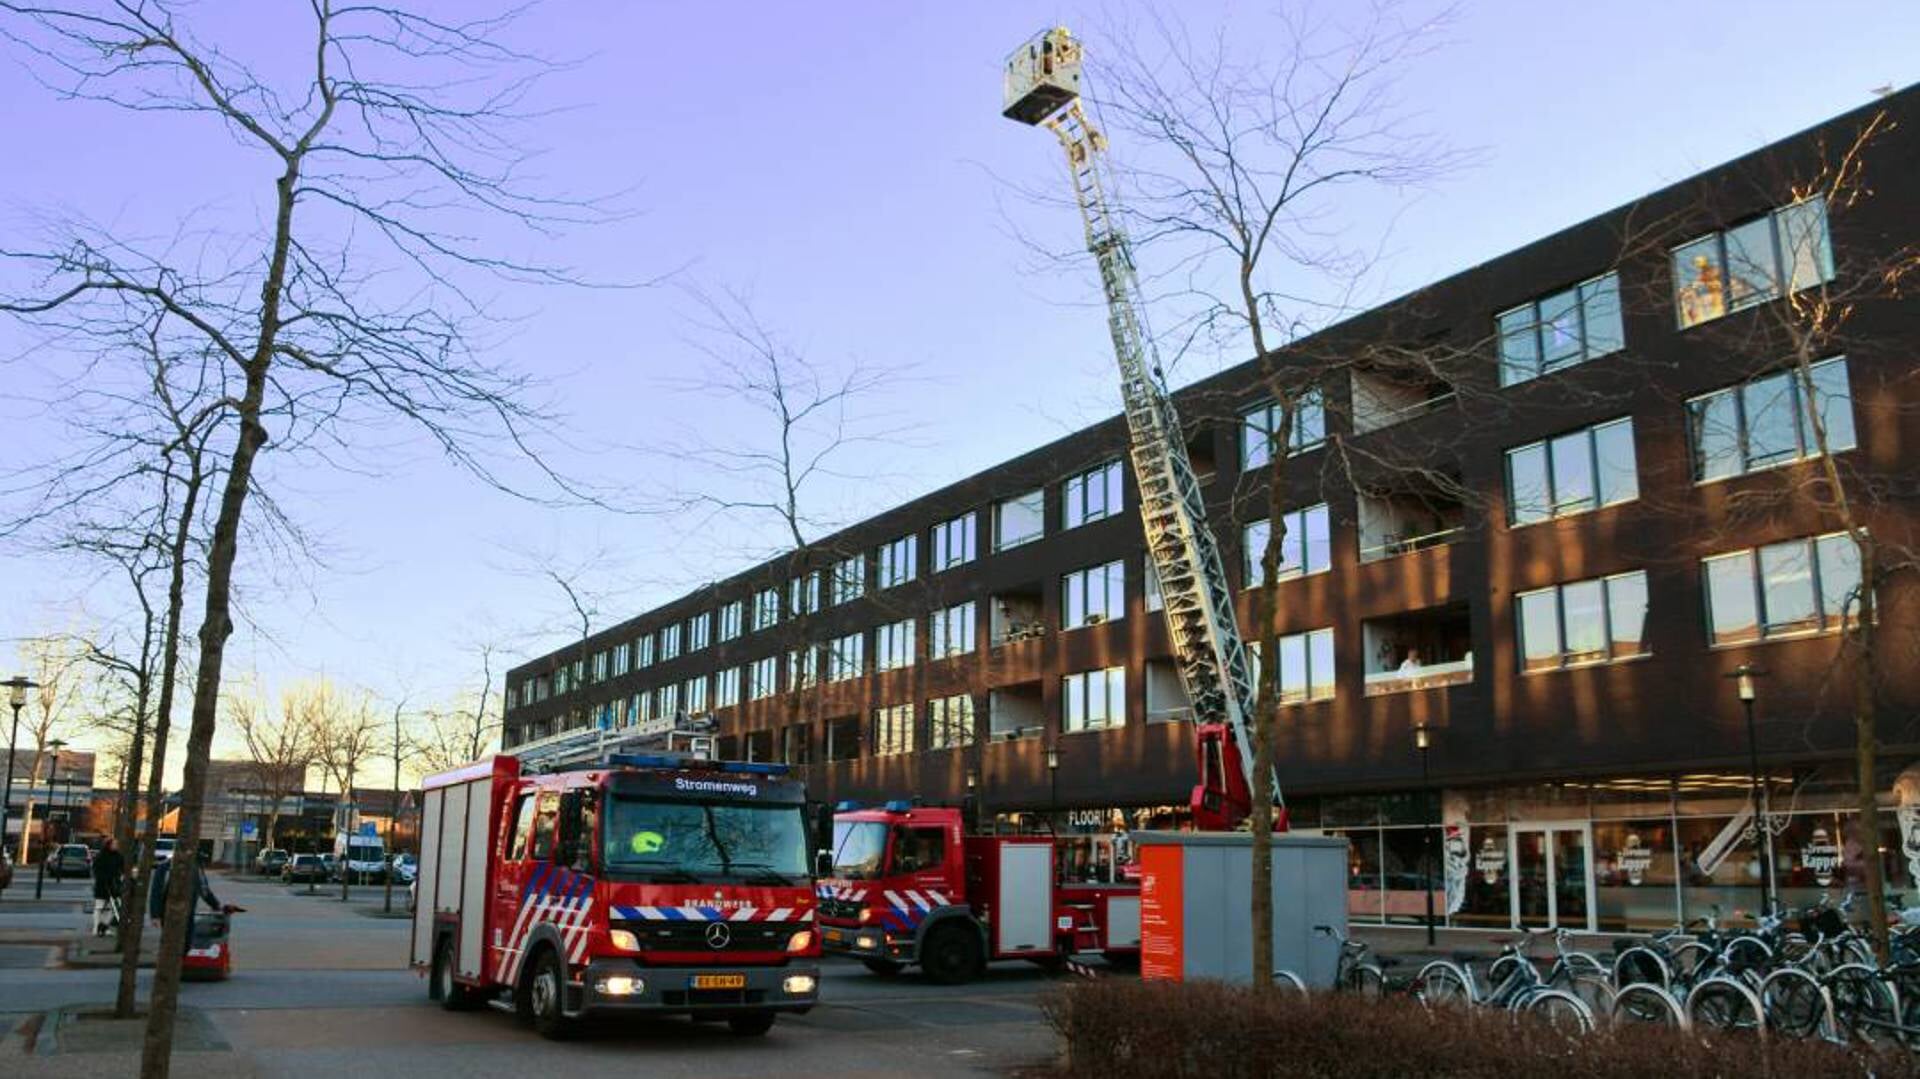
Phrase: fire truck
(911, 886)
(575, 879)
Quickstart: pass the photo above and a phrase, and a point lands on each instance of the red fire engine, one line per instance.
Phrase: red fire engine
(570, 881)
(909, 886)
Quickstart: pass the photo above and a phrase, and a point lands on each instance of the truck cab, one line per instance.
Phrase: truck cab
(909, 886)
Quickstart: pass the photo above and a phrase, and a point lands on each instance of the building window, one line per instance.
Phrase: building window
(1780, 253)
(544, 684)
(667, 704)
(1566, 328)
(695, 692)
(1094, 699)
(1258, 427)
(513, 698)
(726, 688)
(1305, 548)
(1573, 473)
(845, 657)
(1092, 596)
(762, 676)
(898, 561)
(560, 681)
(950, 631)
(643, 652)
(1770, 421)
(1306, 667)
(1020, 519)
(642, 707)
(766, 608)
(1581, 622)
(849, 578)
(1800, 586)
(893, 645)
(953, 543)
(1091, 496)
(802, 667)
(670, 642)
(730, 620)
(1154, 599)
(950, 722)
(803, 595)
(622, 658)
(697, 629)
(794, 744)
(600, 666)
(893, 730)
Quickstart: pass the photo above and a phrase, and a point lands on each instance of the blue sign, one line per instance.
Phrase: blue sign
(367, 828)
(248, 828)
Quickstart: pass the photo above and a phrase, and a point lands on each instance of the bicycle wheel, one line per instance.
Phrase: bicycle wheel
(1747, 953)
(1441, 983)
(1560, 1009)
(1906, 988)
(1365, 979)
(1864, 1007)
(1286, 979)
(1596, 992)
(1721, 1003)
(1795, 1003)
(1690, 962)
(1640, 966)
(1644, 1002)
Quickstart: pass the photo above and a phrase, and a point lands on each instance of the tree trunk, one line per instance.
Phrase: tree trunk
(134, 912)
(1866, 745)
(1267, 619)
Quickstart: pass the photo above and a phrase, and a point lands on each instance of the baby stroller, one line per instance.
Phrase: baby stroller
(209, 953)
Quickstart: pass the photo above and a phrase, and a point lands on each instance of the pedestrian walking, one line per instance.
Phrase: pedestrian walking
(109, 881)
(157, 895)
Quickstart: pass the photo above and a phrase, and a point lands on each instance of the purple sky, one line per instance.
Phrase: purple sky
(846, 164)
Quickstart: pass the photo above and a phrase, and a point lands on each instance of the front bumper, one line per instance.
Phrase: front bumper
(672, 989)
(865, 942)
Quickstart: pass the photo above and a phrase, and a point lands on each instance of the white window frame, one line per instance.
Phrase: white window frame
(1824, 621)
(1093, 495)
(846, 657)
(952, 542)
(694, 692)
(951, 630)
(1310, 692)
(1112, 685)
(1804, 436)
(849, 579)
(897, 562)
(766, 608)
(726, 688)
(670, 642)
(731, 616)
(893, 645)
(1557, 507)
(893, 730)
(1078, 592)
(1585, 301)
(698, 629)
(763, 678)
(1563, 658)
(1257, 426)
(944, 718)
(1783, 283)
(1252, 549)
(1034, 502)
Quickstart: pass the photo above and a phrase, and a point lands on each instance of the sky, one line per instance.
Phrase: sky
(846, 166)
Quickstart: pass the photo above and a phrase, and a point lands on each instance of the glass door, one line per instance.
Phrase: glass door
(1553, 879)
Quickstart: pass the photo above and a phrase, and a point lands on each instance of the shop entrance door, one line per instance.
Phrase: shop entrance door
(1553, 876)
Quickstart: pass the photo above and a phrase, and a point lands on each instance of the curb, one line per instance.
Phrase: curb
(47, 1041)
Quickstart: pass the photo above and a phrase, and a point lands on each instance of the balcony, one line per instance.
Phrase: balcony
(1384, 397)
(843, 739)
(1410, 513)
(1017, 614)
(1016, 711)
(1167, 700)
(1418, 650)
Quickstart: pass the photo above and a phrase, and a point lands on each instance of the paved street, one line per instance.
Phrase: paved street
(322, 989)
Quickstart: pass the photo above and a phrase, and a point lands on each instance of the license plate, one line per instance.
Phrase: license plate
(834, 936)
(719, 981)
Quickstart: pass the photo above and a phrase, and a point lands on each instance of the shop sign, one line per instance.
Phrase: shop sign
(1491, 861)
(1634, 857)
(1821, 856)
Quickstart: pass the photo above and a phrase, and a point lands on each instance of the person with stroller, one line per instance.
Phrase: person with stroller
(109, 881)
(201, 891)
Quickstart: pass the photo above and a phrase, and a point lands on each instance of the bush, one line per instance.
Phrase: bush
(1122, 1029)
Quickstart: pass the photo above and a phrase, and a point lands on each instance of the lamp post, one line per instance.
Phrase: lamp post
(1423, 741)
(1053, 789)
(1743, 682)
(40, 878)
(17, 687)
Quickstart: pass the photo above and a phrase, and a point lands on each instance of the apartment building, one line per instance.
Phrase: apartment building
(1541, 510)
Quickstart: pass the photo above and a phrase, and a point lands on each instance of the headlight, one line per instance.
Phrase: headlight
(800, 941)
(798, 984)
(866, 914)
(624, 940)
(619, 985)
(867, 943)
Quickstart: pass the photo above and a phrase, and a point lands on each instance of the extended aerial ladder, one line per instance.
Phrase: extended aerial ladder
(1042, 87)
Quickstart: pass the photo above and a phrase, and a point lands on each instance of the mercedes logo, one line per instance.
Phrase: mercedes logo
(718, 935)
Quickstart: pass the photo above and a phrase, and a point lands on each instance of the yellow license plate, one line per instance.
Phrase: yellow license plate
(719, 981)
(835, 935)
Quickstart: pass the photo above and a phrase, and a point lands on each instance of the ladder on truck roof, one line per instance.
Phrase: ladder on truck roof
(1042, 88)
(588, 747)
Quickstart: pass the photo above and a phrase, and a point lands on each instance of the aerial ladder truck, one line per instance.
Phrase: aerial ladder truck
(1042, 88)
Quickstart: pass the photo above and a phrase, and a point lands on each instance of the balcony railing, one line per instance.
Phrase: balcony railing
(1375, 420)
(1426, 676)
(1393, 545)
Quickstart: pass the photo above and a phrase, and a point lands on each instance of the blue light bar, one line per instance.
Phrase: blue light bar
(899, 805)
(753, 768)
(648, 760)
(845, 807)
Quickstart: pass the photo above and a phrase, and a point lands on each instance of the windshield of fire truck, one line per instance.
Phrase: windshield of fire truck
(687, 842)
(859, 847)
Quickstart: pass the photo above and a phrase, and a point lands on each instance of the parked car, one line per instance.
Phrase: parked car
(269, 862)
(404, 867)
(303, 868)
(332, 866)
(71, 860)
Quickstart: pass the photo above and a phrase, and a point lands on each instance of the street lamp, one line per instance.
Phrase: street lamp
(17, 687)
(1423, 741)
(1053, 788)
(40, 878)
(1743, 683)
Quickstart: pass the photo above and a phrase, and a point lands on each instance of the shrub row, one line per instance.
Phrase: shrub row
(1117, 1028)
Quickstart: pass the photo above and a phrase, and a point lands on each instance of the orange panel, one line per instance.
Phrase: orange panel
(1162, 913)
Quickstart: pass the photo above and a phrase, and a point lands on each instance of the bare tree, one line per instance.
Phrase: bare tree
(312, 316)
(280, 747)
(459, 731)
(346, 735)
(54, 663)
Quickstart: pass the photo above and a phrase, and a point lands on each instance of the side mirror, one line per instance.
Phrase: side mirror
(823, 863)
(567, 843)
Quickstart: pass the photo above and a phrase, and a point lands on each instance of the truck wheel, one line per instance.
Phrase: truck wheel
(546, 995)
(951, 955)
(452, 996)
(886, 968)
(750, 1024)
